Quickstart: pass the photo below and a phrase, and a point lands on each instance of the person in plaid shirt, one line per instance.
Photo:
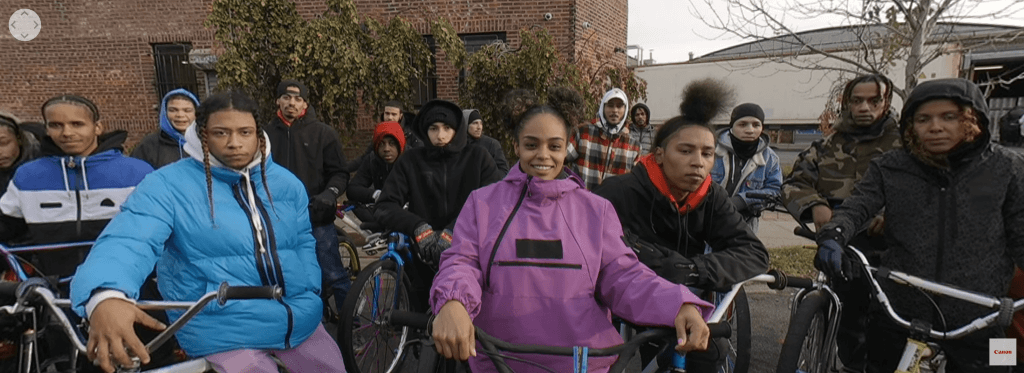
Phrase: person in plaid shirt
(602, 148)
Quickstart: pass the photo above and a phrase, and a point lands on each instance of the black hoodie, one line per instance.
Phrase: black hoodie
(311, 150)
(737, 254)
(959, 225)
(434, 181)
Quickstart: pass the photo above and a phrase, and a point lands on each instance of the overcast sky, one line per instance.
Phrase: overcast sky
(671, 29)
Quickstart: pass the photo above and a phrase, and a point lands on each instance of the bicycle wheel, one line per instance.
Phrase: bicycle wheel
(737, 359)
(368, 343)
(805, 347)
(349, 256)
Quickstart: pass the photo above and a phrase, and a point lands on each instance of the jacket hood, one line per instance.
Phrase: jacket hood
(420, 125)
(962, 91)
(612, 128)
(646, 109)
(393, 129)
(113, 140)
(165, 123)
(546, 189)
(724, 141)
(465, 121)
(194, 148)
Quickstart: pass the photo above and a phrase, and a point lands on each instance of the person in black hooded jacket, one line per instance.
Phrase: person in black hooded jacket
(475, 123)
(435, 181)
(17, 147)
(311, 150)
(954, 213)
(366, 185)
(671, 209)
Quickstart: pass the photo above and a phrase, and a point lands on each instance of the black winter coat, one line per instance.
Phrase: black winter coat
(737, 254)
(311, 150)
(493, 147)
(369, 179)
(158, 149)
(963, 226)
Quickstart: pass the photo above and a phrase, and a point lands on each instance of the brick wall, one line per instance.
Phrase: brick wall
(103, 49)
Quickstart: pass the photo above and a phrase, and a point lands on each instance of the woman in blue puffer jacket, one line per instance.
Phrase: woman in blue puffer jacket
(227, 214)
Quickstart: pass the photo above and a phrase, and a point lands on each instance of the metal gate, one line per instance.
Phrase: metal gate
(173, 70)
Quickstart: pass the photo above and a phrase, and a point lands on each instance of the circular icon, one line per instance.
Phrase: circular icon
(25, 24)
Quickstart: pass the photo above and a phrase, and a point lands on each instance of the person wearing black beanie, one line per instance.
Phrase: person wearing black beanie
(475, 123)
(745, 164)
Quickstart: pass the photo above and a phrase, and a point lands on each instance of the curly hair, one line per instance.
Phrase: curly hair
(968, 126)
(520, 105)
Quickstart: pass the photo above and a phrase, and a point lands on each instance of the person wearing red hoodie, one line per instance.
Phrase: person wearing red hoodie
(670, 208)
(365, 187)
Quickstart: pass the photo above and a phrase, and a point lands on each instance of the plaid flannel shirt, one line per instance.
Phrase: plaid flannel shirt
(596, 155)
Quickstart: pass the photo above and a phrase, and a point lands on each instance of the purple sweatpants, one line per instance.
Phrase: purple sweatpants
(317, 354)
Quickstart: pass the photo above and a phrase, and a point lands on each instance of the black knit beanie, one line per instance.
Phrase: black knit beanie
(746, 110)
(473, 116)
(441, 114)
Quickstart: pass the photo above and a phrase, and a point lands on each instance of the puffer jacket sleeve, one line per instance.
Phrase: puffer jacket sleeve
(394, 195)
(737, 254)
(799, 192)
(773, 177)
(867, 199)
(128, 249)
(632, 290)
(460, 277)
(360, 189)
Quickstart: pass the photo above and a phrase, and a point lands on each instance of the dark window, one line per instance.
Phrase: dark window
(475, 42)
(425, 89)
(172, 68)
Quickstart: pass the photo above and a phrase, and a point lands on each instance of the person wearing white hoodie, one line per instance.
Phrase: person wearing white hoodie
(603, 149)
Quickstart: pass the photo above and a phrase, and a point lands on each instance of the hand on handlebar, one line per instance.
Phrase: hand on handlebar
(112, 334)
(454, 336)
(691, 329)
(830, 258)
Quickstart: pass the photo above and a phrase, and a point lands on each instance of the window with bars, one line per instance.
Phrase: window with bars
(475, 42)
(172, 68)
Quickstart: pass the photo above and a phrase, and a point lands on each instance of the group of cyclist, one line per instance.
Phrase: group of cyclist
(541, 251)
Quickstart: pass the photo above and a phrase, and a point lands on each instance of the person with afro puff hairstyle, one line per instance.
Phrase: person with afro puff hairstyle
(538, 259)
(671, 210)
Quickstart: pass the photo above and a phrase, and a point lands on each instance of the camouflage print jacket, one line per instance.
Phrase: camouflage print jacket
(829, 168)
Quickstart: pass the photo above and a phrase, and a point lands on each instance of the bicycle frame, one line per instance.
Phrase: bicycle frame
(9, 254)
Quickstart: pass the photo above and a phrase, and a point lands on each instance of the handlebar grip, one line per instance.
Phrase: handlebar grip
(800, 282)
(410, 319)
(804, 232)
(761, 195)
(9, 289)
(720, 330)
(226, 292)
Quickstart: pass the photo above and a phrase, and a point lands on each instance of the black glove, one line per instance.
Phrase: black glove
(669, 264)
(831, 258)
(323, 206)
(431, 244)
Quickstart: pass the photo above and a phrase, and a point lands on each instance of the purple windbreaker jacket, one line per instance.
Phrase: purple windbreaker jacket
(559, 273)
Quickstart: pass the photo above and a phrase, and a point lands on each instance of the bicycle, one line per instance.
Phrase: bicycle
(814, 324)
(365, 336)
(36, 301)
(494, 348)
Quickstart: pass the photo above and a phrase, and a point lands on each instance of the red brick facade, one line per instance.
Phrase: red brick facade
(103, 50)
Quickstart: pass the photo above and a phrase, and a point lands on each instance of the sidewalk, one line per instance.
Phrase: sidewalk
(776, 230)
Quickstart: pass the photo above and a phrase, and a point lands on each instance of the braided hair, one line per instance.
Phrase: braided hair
(223, 101)
(883, 85)
(72, 100)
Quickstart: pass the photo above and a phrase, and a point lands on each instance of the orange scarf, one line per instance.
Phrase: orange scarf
(286, 122)
(657, 176)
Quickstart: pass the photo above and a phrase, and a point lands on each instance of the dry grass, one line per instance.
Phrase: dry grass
(794, 260)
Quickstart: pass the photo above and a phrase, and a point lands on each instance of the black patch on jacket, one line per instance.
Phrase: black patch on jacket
(539, 249)
(107, 202)
(50, 205)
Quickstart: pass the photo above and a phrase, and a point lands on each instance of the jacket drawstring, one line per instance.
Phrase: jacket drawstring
(85, 178)
(253, 215)
(64, 172)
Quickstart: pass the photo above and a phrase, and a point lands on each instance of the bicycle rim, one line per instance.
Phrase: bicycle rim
(368, 342)
(349, 258)
(805, 349)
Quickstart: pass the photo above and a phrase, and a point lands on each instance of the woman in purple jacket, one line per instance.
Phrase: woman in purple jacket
(536, 258)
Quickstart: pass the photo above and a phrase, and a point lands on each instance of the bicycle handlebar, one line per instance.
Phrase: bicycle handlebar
(493, 345)
(1003, 316)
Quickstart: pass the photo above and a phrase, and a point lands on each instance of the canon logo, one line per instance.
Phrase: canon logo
(1002, 352)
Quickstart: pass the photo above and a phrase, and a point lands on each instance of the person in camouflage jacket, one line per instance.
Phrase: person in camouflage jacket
(824, 175)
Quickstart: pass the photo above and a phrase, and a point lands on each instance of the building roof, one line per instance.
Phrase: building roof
(844, 38)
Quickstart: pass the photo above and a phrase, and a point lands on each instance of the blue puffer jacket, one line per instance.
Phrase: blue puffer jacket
(166, 222)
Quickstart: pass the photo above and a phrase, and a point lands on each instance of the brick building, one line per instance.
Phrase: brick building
(125, 54)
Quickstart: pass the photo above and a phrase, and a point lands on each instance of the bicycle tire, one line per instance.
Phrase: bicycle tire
(349, 257)
(804, 347)
(740, 341)
(368, 343)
